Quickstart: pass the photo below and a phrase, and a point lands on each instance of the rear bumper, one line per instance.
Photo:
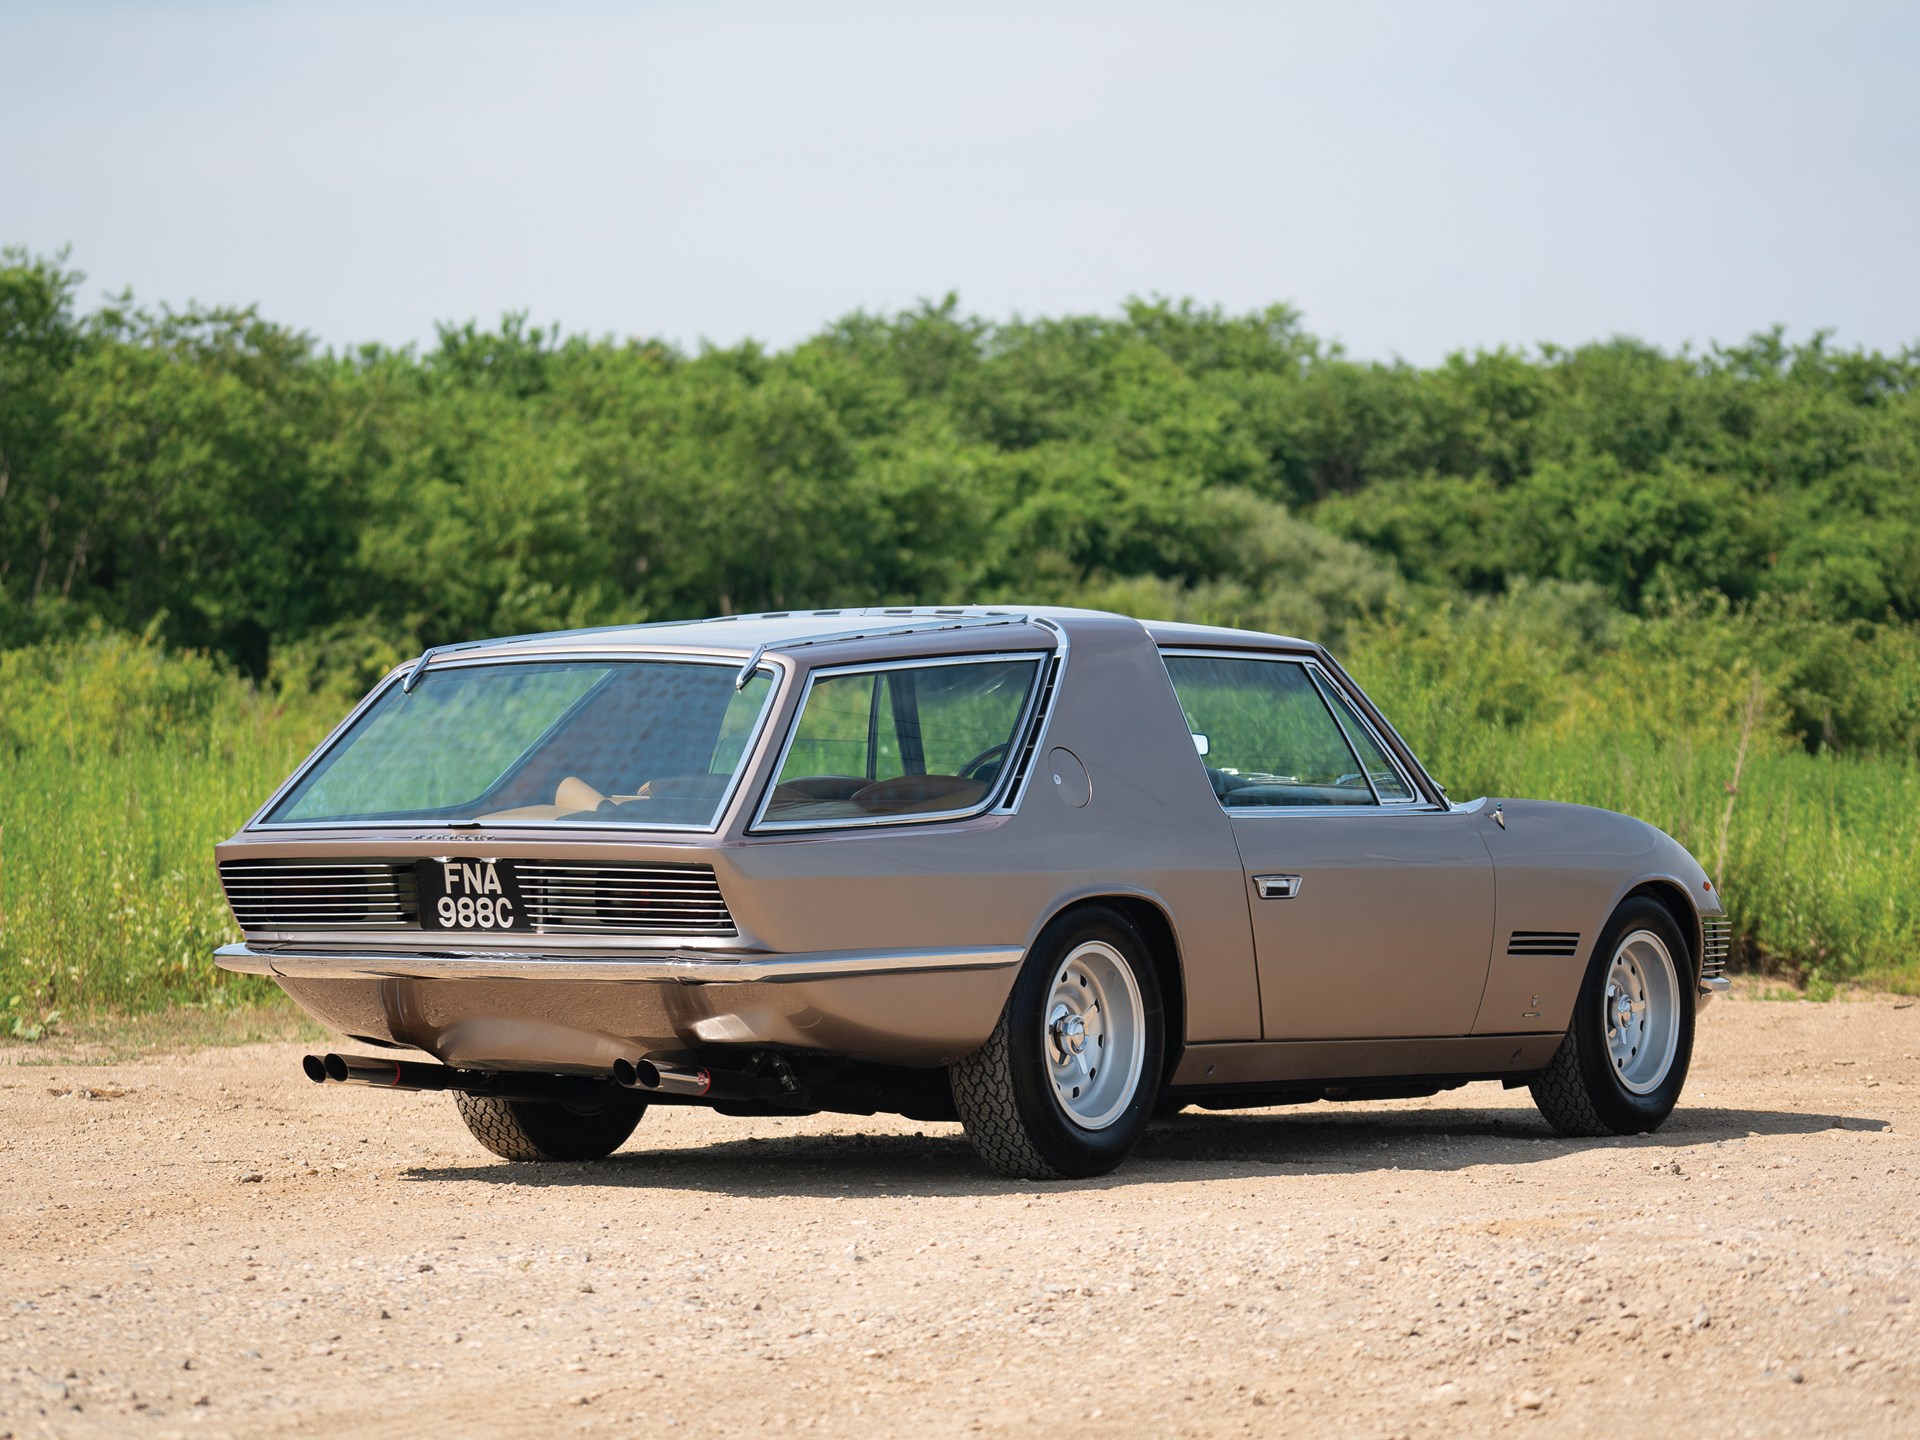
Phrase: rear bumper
(501, 1010)
(646, 967)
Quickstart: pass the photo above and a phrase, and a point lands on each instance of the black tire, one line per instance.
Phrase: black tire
(1004, 1092)
(1579, 1091)
(548, 1130)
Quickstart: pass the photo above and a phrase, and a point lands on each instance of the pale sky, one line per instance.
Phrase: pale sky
(1414, 177)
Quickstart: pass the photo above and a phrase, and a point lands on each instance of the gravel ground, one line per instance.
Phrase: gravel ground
(209, 1245)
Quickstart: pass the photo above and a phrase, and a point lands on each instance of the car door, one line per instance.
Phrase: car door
(1372, 909)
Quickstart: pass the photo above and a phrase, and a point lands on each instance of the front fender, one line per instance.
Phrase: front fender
(1561, 870)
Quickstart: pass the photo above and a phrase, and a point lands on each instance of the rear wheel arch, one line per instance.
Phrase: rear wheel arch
(1156, 929)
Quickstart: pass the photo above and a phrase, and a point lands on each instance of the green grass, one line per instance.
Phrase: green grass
(121, 765)
(108, 1037)
(1817, 856)
(1821, 854)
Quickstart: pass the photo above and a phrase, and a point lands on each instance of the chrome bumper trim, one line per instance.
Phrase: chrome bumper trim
(1715, 985)
(681, 968)
(241, 960)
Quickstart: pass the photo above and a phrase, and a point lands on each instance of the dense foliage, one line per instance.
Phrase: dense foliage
(1550, 566)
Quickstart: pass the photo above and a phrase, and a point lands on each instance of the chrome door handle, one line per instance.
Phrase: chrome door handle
(1277, 887)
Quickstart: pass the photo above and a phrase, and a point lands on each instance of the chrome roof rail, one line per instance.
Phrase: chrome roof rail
(746, 670)
(929, 620)
(930, 625)
(413, 674)
(435, 651)
(925, 625)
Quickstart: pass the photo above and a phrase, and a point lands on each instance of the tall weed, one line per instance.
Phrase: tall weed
(1675, 722)
(120, 766)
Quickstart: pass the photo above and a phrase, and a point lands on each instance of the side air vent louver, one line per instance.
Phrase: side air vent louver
(320, 894)
(588, 899)
(1716, 939)
(1559, 943)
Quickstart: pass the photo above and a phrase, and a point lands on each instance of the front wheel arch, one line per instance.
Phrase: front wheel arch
(1678, 904)
(1577, 1092)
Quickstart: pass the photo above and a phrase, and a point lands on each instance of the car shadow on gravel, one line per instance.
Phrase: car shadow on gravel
(1191, 1146)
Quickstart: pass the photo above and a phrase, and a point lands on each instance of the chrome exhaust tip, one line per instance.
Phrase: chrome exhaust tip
(645, 1074)
(395, 1073)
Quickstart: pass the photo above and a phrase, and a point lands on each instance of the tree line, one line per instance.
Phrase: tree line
(225, 483)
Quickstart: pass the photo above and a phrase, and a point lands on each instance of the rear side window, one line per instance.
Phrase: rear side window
(901, 741)
(1266, 734)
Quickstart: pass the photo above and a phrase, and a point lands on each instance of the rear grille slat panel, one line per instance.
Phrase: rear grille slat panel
(616, 899)
(561, 898)
(1023, 763)
(320, 894)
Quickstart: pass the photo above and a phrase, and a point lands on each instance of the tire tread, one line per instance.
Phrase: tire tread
(1574, 1092)
(538, 1131)
(989, 1113)
(1562, 1095)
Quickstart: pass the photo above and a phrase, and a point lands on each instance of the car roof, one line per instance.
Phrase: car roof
(744, 635)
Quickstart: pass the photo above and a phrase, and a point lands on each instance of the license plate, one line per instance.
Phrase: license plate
(469, 895)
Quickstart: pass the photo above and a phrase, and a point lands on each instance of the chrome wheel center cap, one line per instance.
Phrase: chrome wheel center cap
(1622, 1008)
(1069, 1032)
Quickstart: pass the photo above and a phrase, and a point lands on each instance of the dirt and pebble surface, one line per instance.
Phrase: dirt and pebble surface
(209, 1245)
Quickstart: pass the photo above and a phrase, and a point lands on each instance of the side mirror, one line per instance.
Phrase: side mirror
(1200, 744)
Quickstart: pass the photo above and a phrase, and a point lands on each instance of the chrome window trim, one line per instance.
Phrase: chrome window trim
(1346, 736)
(1326, 683)
(760, 825)
(1402, 753)
(1063, 649)
(778, 674)
(1417, 806)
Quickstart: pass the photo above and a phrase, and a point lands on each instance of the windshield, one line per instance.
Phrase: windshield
(612, 742)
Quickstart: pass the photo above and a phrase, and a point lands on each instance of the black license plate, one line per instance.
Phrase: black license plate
(477, 895)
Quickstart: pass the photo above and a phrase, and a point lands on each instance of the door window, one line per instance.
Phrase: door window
(1265, 733)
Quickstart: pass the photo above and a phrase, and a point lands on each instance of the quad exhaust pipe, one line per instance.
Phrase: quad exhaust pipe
(387, 1074)
(650, 1077)
(658, 1077)
(390, 1074)
(645, 1074)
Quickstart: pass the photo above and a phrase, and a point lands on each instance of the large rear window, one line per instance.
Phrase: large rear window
(645, 742)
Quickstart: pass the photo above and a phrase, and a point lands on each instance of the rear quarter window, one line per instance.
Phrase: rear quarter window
(902, 741)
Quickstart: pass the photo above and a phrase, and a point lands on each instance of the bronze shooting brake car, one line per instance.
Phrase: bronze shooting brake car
(1045, 871)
